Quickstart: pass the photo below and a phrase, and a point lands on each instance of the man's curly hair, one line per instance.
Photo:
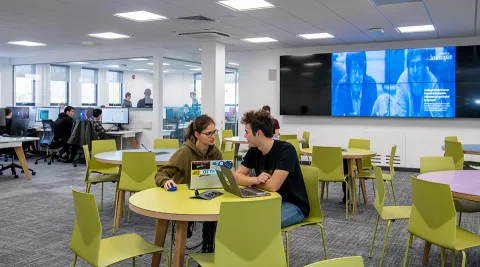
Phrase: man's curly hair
(259, 120)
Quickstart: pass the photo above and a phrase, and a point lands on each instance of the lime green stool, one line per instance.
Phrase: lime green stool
(355, 261)
(296, 145)
(285, 137)
(100, 146)
(166, 143)
(87, 242)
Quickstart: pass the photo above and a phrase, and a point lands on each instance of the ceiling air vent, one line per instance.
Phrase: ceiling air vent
(393, 2)
(197, 18)
(205, 35)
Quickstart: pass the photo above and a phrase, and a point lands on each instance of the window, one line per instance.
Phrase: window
(24, 84)
(59, 82)
(89, 87)
(115, 88)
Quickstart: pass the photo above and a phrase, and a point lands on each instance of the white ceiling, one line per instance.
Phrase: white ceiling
(64, 24)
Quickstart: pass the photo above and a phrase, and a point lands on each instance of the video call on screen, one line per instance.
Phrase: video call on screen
(440, 82)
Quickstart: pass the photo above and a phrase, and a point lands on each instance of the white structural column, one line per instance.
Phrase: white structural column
(42, 85)
(103, 92)
(75, 86)
(157, 95)
(6, 82)
(213, 82)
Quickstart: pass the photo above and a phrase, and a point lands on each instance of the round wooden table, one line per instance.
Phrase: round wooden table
(470, 149)
(464, 185)
(241, 140)
(178, 206)
(352, 155)
(115, 157)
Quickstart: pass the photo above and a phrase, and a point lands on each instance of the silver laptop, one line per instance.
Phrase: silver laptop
(231, 186)
(204, 176)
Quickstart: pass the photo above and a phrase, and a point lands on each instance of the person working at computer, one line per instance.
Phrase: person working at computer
(276, 167)
(8, 117)
(63, 130)
(276, 125)
(126, 102)
(199, 145)
(147, 101)
(97, 123)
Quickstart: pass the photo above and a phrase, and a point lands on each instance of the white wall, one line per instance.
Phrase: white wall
(419, 137)
(6, 82)
(177, 88)
(138, 85)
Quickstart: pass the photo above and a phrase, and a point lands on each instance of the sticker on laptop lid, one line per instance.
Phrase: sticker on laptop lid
(200, 165)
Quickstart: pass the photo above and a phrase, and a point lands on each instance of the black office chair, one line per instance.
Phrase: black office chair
(48, 142)
(18, 129)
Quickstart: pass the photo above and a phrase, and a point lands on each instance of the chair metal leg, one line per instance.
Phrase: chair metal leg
(374, 235)
(346, 199)
(74, 260)
(411, 242)
(322, 230)
(388, 192)
(393, 192)
(187, 261)
(167, 259)
(385, 243)
(133, 261)
(464, 258)
(115, 211)
(460, 219)
(442, 255)
(101, 200)
(326, 186)
(287, 248)
(406, 250)
(88, 188)
(373, 186)
(172, 235)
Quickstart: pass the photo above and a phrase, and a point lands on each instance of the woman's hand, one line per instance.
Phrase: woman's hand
(169, 184)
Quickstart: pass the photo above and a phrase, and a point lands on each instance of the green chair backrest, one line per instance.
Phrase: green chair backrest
(451, 138)
(379, 201)
(296, 145)
(436, 164)
(217, 141)
(329, 161)
(87, 162)
(87, 229)
(249, 234)
(100, 146)
(356, 261)
(166, 143)
(306, 136)
(228, 155)
(361, 144)
(310, 177)
(138, 171)
(433, 217)
(285, 137)
(455, 150)
(226, 134)
(391, 160)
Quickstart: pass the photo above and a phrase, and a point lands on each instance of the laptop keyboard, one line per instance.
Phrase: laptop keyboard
(250, 192)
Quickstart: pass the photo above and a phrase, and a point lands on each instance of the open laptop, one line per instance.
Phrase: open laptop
(231, 186)
(204, 176)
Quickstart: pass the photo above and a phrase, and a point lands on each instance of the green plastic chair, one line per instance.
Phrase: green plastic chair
(217, 141)
(306, 136)
(248, 234)
(455, 150)
(451, 138)
(285, 137)
(295, 144)
(100, 146)
(226, 134)
(96, 179)
(356, 261)
(436, 164)
(467, 165)
(138, 174)
(433, 219)
(87, 241)
(228, 155)
(166, 143)
(315, 217)
(362, 144)
(387, 177)
(329, 161)
(386, 213)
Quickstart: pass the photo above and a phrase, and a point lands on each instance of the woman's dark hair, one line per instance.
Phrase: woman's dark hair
(198, 125)
(8, 111)
(259, 120)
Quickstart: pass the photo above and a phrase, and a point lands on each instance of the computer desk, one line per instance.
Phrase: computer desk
(130, 134)
(16, 143)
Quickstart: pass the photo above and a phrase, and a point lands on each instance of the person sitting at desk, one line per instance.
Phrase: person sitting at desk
(276, 167)
(97, 123)
(147, 101)
(126, 102)
(8, 117)
(63, 130)
(199, 145)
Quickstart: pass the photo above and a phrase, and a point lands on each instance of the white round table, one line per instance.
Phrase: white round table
(242, 140)
(162, 155)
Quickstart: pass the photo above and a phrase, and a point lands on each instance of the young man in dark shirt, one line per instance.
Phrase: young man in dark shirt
(276, 167)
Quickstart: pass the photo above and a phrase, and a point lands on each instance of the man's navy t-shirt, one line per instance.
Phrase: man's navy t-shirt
(282, 156)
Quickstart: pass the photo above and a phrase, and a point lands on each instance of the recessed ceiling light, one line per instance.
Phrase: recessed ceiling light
(244, 5)
(200, 49)
(140, 16)
(26, 43)
(113, 66)
(139, 59)
(421, 28)
(197, 69)
(233, 63)
(311, 36)
(151, 63)
(79, 63)
(109, 35)
(166, 64)
(193, 66)
(141, 69)
(260, 40)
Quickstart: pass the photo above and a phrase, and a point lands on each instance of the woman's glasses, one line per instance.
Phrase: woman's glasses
(210, 134)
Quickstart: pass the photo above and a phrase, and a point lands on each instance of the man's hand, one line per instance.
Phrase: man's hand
(263, 178)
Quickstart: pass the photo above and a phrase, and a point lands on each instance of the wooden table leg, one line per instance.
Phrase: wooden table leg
(120, 205)
(351, 177)
(235, 154)
(322, 189)
(160, 233)
(133, 142)
(180, 242)
(426, 251)
(121, 142)
(362, 181)
(23, 161)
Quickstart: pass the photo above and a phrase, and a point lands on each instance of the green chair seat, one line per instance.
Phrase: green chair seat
(396, 212)
(466, 239)
(203, 259)
(355, 261)
(103, 178)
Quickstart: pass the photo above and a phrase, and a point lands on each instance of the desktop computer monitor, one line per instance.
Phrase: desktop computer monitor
(83, 113)
(115, 115)
(50, 113)
(20, 112)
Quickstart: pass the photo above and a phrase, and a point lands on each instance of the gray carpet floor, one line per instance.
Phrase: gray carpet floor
(36, 219)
